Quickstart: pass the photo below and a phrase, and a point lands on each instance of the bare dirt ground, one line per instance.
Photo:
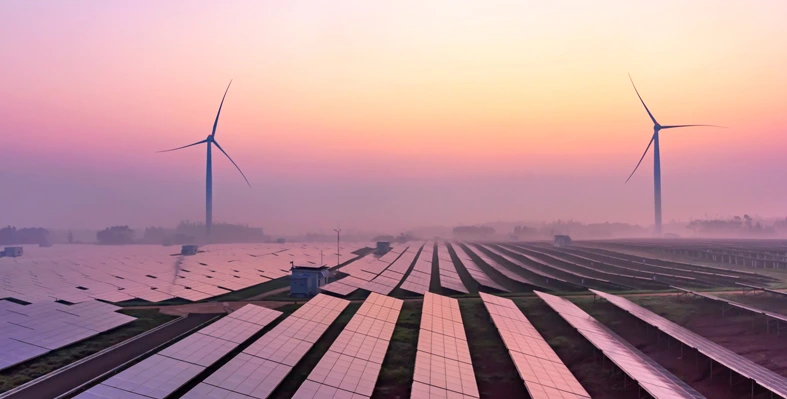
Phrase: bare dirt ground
(745, 334)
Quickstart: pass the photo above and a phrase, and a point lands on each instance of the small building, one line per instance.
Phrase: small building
(382, 247)
(562, 240)
(189, 250)
(306, 280)
(12, 252)
(280, 240)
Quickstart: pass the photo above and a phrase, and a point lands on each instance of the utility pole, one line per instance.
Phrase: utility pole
(338, 247)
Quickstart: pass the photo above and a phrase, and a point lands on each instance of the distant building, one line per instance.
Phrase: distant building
(562, 240)
(12, 252)
(382, 247)
(189, 249)
(306, 280)
(280, 241)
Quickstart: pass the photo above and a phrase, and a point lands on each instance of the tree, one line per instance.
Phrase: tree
(116, 235)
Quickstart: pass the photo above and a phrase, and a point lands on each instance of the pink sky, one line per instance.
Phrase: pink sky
(389, 114)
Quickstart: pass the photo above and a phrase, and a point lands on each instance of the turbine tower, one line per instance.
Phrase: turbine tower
(211, 141)
(654, 140)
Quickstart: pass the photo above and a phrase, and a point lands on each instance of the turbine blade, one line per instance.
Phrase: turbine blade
(233, 162)
(185, 146)
(642, 101)
(643, 157)
(677, 126)
(216, 122)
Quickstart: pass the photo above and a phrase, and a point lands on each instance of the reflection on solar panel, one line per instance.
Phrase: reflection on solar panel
(442, 363)
(374, 274)
(653, 378)
(163, 373)
(477, 274)
(543, 372)
(420, 277)
(352, 363)
(29, 331)
(261, 367)
(734, 304)
(547, 275)
(449, 278)
(733, 361)
(500, 268)
(77, 273)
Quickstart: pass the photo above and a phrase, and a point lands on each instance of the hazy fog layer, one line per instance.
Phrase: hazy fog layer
(389, 115)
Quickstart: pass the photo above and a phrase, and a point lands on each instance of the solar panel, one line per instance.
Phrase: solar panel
(443, 359)
(538, 365)
(78, 273)
(420, 277)
(478, 275)
(352, 363)
(449, 278)
(733, 361)
(499, 268)
(653, 378)
(163, 373)
(260, 368)
(29, 331)
(734, 304)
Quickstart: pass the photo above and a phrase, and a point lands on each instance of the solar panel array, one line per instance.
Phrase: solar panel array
(734, 304)
(420, 277)
(768, 290)
(163, 373)
(543, 372)
(390, 278)
(653, 378)
(733, 361)
(449, 278)
(260, 368)
(475, 271)
(380, 275)
(352, 364)
(76, 273)
(500, 268)
(29, 331)
(544, 272)
(361, 272)
(443, 367)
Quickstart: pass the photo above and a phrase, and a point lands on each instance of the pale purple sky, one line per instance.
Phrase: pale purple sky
(388, 115)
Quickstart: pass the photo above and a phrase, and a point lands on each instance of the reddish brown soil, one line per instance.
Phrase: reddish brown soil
(744, 334)
(599, 378)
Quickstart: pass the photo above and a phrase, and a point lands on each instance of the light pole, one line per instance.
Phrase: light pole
(338, 247)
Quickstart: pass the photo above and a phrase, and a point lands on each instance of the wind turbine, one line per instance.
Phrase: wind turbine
(654, 140)
(211, 141)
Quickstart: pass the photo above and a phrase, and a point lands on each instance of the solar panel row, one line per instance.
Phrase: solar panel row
(475, 271)
(29, 331)
(500, 268)
(77, 273)
(735, 304)
(420, 277)
(653, 378)
(260, 368)
(160, 375)
(374, 274)
(543, 372)
(390, 278)
(443, 367)
(352, 364)
(733, 361)
(449, 278)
